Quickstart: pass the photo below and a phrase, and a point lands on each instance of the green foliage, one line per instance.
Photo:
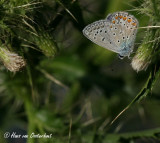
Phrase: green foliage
(69, 87)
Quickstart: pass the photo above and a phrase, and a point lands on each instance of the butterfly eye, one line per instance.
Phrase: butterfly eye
(120, 56)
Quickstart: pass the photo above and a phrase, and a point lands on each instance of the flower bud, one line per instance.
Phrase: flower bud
(145, 52)
(12, 61)
(142, 58)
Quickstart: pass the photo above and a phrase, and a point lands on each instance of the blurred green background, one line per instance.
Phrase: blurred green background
(70, 87)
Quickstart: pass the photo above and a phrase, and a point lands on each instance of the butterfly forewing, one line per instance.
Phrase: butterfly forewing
(97, 33)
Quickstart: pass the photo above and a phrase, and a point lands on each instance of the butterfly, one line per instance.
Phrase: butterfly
(116, 33)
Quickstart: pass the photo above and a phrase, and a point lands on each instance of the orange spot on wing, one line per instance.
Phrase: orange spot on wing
(129, 20)
(134, 24)
(124, 18)
(116, 17)
(120, 17)
(113, 21)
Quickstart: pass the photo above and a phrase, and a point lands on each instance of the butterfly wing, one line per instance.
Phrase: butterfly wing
(116, 33)
(123, 29)
(97, 32)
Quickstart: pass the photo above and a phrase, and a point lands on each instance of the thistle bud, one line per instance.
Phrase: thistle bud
(45, 43)
(12, 61)
(145, 52)
(142, 59)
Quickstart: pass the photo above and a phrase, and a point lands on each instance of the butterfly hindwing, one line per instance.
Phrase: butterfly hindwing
(123, 28)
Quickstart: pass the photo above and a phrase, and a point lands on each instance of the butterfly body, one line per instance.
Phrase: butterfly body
(116, 33)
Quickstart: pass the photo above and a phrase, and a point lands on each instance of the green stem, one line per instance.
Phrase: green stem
(31, 125)
(144, 92)
(155, 9)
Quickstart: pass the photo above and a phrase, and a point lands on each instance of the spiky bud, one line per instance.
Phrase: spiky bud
(45, 43)
(12, 61)
(142, 58)
(146, 51)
